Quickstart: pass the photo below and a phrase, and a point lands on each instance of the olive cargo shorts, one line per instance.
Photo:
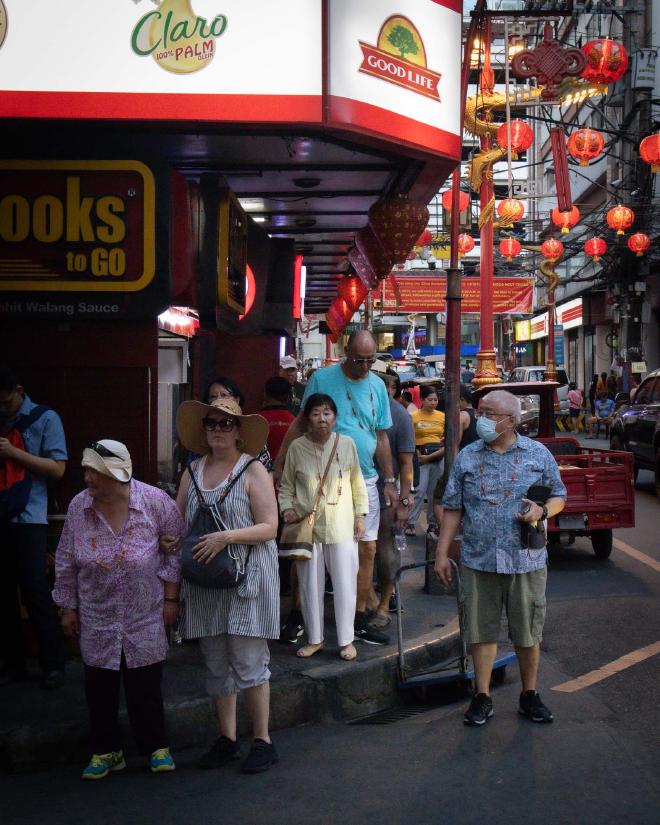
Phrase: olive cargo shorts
(482, 596)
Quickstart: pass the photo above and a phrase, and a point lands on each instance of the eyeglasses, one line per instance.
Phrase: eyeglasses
(492, 416)
(103, 451)
(225, 425)
(364, 362)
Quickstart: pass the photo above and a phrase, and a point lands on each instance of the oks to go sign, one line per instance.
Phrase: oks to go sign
(99, 261)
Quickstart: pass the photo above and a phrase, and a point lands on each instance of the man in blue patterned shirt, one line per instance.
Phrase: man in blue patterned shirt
(486, 489)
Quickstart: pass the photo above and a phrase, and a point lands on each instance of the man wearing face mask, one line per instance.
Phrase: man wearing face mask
(486, 489)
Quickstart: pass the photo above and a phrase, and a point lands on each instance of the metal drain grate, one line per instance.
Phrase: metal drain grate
(392, 715)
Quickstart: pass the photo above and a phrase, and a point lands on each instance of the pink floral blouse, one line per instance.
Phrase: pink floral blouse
(115, 582)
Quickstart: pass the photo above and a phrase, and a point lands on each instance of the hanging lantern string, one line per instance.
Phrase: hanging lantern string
(508, 105)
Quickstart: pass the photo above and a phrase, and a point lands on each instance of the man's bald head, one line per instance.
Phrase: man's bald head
(360, 354)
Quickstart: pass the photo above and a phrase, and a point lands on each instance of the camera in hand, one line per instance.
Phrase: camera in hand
(532, 535)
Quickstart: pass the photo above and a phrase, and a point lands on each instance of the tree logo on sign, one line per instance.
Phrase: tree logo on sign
(3, 22)
(399, 57)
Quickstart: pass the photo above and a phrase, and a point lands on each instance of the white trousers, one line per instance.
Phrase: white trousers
(342, 563)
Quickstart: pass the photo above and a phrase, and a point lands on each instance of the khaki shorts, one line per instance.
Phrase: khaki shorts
(482, 596)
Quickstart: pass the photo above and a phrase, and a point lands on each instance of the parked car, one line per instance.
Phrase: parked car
(523, 374)
(636, 426)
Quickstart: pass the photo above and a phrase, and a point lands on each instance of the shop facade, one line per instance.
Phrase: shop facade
(160, 162)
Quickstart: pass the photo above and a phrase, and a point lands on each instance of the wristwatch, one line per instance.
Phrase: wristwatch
(389, 481)
(405, 502)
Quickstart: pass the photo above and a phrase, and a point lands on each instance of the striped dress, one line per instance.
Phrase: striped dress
(252, 609)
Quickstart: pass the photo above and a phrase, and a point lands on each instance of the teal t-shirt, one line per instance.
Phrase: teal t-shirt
(363, 407)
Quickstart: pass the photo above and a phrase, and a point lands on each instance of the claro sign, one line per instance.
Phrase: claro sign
(84, 226)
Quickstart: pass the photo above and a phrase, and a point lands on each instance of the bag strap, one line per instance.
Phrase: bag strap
(319, 492)
(26, 421)
(223, 495)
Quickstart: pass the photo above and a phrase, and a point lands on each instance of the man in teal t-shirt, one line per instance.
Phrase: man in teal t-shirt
(363, 413)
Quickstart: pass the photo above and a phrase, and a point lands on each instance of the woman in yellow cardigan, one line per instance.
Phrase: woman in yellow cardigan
(339, 521)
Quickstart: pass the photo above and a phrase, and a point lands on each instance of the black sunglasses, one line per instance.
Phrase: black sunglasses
(103, 451)
(366, 362)
(225, 425)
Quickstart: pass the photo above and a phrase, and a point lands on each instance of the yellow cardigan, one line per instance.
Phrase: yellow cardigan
(345, 493)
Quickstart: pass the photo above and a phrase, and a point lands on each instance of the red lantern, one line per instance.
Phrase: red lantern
(397, 223)
(362, 267)
(463, 200)
(649, 149)
(373, 251)
(338, 315)
(425, 238)
(595, 247)
(607, 60)
(353, 291)
(552, 249)
(585, 145)
(620, 218)
(510, 211)
(334, 337)
(565, 220)
(639, 243)
(522, 136)
(465, 243)
(510, 247)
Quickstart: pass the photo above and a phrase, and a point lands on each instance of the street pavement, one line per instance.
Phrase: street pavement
(598, 763)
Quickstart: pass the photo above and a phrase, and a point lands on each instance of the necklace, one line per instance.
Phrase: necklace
(372, 424)
(120, 556)
(318, 458)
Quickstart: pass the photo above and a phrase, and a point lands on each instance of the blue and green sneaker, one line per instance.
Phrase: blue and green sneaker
(101, 764)
(161, 761)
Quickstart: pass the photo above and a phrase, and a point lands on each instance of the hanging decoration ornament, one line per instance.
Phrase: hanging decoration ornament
(353, 291)
(463, 200)
(425, 238)
(620, 218)
(565, 220)
(550, 63)
(465, 243)
(510, 211)
(639, 243)
(510, 247)
(522, 136)
(585, 145)
(397, 223)
(607, 60)
(374, 252)
(595, 248)
(362, 267)
(649, 150)
(552, 249)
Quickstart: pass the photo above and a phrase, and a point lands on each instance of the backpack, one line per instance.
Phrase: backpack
(15, 480)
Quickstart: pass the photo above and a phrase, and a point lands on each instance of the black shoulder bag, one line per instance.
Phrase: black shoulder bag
(225, 570)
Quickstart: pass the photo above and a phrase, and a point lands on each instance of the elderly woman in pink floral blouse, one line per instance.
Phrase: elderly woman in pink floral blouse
(118, 591)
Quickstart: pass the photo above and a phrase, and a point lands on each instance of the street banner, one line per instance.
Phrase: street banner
(427, 294)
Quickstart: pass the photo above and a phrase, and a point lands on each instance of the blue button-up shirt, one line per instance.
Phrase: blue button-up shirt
(45, 438)
(488, 486)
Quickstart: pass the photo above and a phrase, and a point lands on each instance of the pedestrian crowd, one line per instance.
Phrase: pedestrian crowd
(312, 494)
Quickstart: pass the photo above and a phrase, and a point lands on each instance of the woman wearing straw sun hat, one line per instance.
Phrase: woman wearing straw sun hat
(117, 591)
(232, 624)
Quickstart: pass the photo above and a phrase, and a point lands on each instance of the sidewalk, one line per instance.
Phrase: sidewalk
(39, 728)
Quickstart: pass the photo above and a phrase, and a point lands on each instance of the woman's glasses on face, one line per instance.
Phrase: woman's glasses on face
(225, 425)
(220, 394)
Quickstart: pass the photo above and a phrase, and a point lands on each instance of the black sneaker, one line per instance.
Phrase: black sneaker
(223, 751)
(364, 632)
(480, 710)
(533, 708)
(262, 756)
(293, 628)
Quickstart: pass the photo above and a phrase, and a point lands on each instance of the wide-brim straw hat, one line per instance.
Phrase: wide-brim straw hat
(253, 429)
